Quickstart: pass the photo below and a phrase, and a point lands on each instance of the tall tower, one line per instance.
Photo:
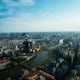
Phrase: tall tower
(76, 53)
(27, 46)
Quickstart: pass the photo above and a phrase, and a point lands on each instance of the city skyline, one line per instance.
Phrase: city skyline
(39, 15)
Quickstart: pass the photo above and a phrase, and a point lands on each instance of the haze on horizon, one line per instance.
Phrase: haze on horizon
(39, 15)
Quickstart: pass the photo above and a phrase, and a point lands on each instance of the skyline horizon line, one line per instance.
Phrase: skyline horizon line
(40, 32)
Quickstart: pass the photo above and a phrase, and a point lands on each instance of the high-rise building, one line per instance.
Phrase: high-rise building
(27, 46)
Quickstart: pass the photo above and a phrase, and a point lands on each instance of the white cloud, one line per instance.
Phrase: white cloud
(11, 7)
(7, 13)
(41, 22)
(11, 3)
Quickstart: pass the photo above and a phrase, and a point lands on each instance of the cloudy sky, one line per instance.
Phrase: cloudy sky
(39, 15)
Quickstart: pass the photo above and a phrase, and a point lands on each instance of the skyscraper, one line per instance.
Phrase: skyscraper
(27, 46)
